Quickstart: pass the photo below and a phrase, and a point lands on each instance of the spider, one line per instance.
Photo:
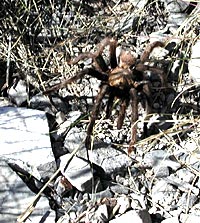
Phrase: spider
(123, 78)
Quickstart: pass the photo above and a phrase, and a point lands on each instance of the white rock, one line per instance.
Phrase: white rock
(189, 218)
(141, 216)
(124, 204)
(77, 172)
(104, 155)
(15, 197)
(164, 194)
(60, 117)
(75, 138)
(64, 125)
(171, 220)
(24, 135)
(181, 184)
(102, 213)
(194, 63)
(18, 94)
(185, 175)
(158, 158)
(24, 139)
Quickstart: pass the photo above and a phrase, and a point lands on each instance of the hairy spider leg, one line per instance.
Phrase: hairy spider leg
(100, 63)
(134, 118)
(90, 71)
(81, 56)
(112, 43)
(124, 103)
(122, 112)
(113, 58)
(147, 51)
(110, 103)
(154, 70)
(145, 56)
(94, 114)
(148, 106)
(97, 59)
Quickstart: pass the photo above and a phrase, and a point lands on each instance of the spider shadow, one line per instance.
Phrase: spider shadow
(181, 100)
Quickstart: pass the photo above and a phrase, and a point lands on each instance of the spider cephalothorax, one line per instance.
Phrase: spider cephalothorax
(121, 77)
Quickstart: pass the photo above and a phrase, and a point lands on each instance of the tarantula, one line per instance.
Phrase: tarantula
(122, 78)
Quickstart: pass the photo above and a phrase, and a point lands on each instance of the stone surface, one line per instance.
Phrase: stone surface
(111, 160)
(189, 218)
(77, 172)
(171, 220)
(164, 194)
(24, 135)
(161, 171)
(193, 65)
(101, 214)
(18, 94)
(15, 197)
(24, 139)
(141, 216)
(75, 138)
(124, 203)
(160, 158)
(72, 117)
(181, 184)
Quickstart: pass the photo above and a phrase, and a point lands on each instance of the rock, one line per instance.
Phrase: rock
(119, 189)
(101, 214)
(47, 104)
(187, 158)
(15, 197)
(72, 215)
(75, 138)
(195, 209)
(138, 201)
(24, 135)
(185, 199)
(141, 216)
(176, 16)
(41, 102)
(193, 65)
(189, 218)
(165, 194)
(185, 175)
(160, 158)
(181, 184)
(78, 172)
(171, 220)
(60, 104)
(161, 171)
(60, 117)
(18, 93)
(23, 140)
(124, 204)
(111, 160)
(72, 117)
